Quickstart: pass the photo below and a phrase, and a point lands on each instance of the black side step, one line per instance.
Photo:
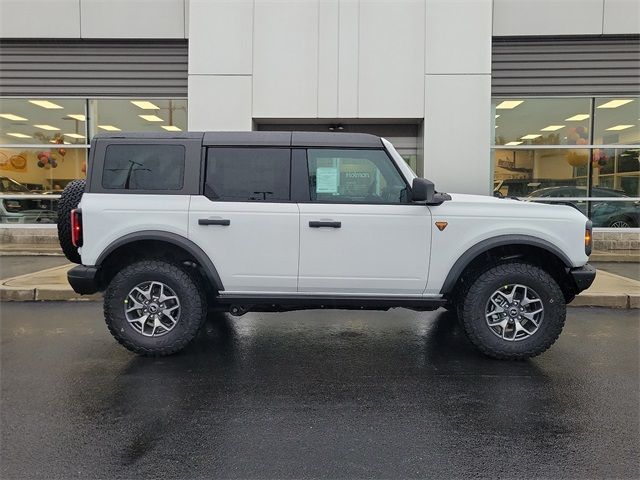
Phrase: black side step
(242, 303)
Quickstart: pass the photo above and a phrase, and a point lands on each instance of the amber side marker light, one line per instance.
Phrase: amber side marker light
(441, 225)
(588, 240)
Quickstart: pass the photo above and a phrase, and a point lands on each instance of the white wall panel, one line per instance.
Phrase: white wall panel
(285, 65)
(221, 36)
(621, 16)
(457, 132)
(132, 18)
(391, 59)
(547, 17)
(39, 19)
(219, 102)
(458, 36)
(348, 21)
(328, 21)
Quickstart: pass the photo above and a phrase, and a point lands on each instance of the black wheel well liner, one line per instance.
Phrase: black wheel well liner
(174, 239)
(480, 248)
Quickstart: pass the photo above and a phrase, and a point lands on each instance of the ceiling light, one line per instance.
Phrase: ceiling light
(46, 127)
(145, 105)
(512, 144)
(171, 128)
(497, 126)
(531, 136)
(74, 135)
(109, 128)
(151, 118)
(497, 115)
(78, 117)
(577, 118)
(620, 127)
(615, 103)
(45, 104)
(11, 116)
(509, 104)
(19, 135)
(551, 128)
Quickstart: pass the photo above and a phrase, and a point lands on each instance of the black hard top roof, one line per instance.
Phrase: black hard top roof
(270, 139)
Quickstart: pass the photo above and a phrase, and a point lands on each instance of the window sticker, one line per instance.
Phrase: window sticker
(326, 180)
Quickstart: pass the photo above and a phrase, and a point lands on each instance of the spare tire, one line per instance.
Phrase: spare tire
(69, 200)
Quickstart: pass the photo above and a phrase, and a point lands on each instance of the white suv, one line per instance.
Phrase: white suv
(172, 225)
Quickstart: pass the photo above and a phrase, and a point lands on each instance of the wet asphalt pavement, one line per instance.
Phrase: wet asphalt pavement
(315, 394)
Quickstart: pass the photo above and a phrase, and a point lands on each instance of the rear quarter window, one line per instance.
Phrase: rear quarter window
(143, 167)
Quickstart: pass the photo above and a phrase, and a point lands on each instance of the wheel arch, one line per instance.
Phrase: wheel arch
(514, 242)
(136, 239)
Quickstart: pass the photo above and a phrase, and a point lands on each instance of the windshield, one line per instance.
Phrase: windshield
(9, 185)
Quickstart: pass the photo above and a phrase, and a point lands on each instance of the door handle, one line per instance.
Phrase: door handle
(329, 224)
(214, 221)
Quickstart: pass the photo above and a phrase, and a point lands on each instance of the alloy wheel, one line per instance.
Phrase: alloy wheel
(152, 309)
(514, 312)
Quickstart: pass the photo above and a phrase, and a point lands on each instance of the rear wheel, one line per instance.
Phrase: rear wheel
(154, 308)
(69, 200)
(513, 311)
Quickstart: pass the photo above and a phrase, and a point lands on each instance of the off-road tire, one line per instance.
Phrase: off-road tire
(193, 305)
(69, 200)
(476, 296)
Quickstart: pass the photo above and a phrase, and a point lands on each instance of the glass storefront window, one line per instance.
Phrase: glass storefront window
(601, 181)
(43, 170)
(541, 173)
(542, 121)
(617, 121)
(42, 121)
(44, 145)
(138, 115)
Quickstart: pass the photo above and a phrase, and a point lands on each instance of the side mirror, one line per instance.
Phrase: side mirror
(422, 190)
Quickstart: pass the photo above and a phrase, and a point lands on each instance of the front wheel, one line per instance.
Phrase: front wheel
(513, 311)
(154, 308)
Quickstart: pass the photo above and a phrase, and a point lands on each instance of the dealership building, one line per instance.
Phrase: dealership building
(536, 99)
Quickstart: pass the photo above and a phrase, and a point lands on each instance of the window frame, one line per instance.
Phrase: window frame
(205, 168)
(307, 190)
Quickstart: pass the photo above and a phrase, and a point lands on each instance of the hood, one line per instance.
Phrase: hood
(486, 205)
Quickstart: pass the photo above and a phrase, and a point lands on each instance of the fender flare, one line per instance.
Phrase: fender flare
(201, 257)
(479, 248)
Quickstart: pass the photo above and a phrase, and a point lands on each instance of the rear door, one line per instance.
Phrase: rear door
(359, 233)
(245, 220)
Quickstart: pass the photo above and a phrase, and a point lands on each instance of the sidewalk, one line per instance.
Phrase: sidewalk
(608, 290)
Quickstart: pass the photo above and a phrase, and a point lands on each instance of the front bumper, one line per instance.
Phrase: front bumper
(583, 277)
(84, 280)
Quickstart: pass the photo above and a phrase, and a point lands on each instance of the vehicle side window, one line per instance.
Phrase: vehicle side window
(354, 176)
(143, 167)
(248, 174)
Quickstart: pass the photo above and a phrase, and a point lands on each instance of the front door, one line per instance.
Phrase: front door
(358, 233)
(245, 221)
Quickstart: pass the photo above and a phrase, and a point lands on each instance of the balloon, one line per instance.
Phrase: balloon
(40, 164)
(581, 141)
(54, 164)
(576, 159)
(62, 151)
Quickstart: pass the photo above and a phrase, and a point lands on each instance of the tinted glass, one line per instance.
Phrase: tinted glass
(541, 172)
(354, 176)
(248, 174)
(541, 121)
(617, 121)
(42, 121)
(143, 167)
